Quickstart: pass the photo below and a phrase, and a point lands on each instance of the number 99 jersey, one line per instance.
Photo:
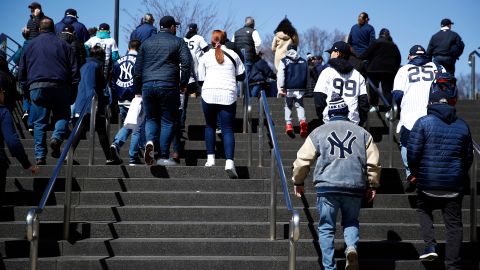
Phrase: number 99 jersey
(348, 85)
(414, 81)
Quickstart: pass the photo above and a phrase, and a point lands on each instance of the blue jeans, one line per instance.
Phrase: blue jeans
(404, 135)
(226, 114)
(138, 135)
(255, 89)
(328, 206)
(137, 142)
(161, 111)
(44, 101)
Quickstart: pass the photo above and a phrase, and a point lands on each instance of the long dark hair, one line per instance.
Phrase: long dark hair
(286, 26)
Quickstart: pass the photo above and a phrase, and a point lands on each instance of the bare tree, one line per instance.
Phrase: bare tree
(315, 40)
(464, 85)
(206, 16)
(266, 49)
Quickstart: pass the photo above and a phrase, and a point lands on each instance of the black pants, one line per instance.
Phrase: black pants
(452, 217)
(3, 181)
(447, 62)
(386, 79)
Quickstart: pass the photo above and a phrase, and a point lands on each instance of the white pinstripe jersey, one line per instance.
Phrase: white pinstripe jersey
(349, 86)
(195, 44)
(414, 82)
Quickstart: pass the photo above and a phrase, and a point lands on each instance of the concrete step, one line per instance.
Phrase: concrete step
(216, 213)
(144, 171)
(213, 262)
(368, 250)
(200, 229)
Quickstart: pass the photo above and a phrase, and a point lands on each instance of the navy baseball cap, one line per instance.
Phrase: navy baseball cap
(167, 22)
(104, 27)
(35, 5)
(446, 22)
(71, 12)
(193, 26)
(417, 50)
(340, 46)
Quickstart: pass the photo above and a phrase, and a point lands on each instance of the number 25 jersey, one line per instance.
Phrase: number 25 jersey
(414, 81)
(349, 86)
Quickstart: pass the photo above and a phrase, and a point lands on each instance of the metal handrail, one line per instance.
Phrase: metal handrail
(473, 195)
(247, 115)
(33, 215)
(390, 118)
(471, 62)
(276, 159)
(4, 38)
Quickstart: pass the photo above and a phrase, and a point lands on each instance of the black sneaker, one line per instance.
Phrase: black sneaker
(429, 254)
(115, 155)
(41, 161)
(55, 146)
(114, 162)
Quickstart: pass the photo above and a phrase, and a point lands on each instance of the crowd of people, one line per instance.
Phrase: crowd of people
(63, 65)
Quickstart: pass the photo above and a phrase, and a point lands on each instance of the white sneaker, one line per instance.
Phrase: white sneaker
(230, 169)
(374, 109)
(352, 259)
(210, 161)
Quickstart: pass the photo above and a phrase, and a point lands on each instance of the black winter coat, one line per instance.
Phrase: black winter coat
(383, 56)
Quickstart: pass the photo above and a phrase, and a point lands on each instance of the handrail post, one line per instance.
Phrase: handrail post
(390, 136)
(260, 131)
(293, 236)
(93, 114)
(273, 197)
(32, 236)
(472, 76)
(473, 199)
(249, 135)
(68, 198)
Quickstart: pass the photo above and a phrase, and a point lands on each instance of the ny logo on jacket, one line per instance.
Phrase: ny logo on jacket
(335, 142)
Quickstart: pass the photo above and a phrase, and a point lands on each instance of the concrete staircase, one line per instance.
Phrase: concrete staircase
(192, 217)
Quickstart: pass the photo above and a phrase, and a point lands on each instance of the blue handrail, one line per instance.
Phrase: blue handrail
(473, 195)
(32, 220)
(294, 228)
(276, 150)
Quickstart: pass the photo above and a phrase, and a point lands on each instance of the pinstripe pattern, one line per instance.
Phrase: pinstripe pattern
(414, 82)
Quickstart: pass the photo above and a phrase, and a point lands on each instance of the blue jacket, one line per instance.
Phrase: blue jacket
(440, 150)
(361, 37)
(8, 134)
(48, 59)
(296, 73)
(92, 82)
(143, 31)
(260, 72)
(164, 58)
(81, 32)
(122, 84)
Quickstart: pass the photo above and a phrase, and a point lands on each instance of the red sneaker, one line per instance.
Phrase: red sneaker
(303, 129)
(289, 129)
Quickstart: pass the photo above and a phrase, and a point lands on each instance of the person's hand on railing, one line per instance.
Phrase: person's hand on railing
(298, 190)
(33, 169)
(370, 195)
